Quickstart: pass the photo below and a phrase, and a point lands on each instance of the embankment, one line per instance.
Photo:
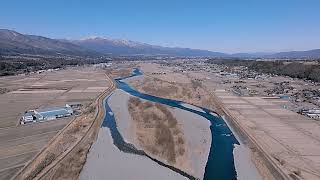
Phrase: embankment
(64, 156)
(267, 167)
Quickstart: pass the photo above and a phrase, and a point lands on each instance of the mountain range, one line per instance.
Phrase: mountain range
(12, 42)
(127, 47)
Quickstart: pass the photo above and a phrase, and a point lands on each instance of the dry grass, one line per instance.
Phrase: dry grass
(162, 88)
(60, 152)
(44, 163)
(196, 84)
(120, 72)
(157, 130)
(61, 144)
(70, 167)
(192, 93)
(89, 108)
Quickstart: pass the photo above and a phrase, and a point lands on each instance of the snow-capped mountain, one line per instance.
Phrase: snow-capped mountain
(128, 47)
(12, 42)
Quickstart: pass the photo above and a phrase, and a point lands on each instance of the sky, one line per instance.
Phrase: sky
(218, 25)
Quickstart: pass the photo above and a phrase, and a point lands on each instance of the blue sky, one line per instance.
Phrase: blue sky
(217, 25)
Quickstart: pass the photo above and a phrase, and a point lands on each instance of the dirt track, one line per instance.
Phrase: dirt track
(57, 161)
(284, 144)
(20, 143)
(283, 141)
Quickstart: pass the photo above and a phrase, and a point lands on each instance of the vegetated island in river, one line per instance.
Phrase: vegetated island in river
(176, 137)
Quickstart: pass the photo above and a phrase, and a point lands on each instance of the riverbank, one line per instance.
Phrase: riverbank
(105, 161)
(198, 139)
(118, 102)
(65, 154)
(147, 111)
(195, 130)
(245, 168)
(241, 158)
(188, 91)
(260, 160)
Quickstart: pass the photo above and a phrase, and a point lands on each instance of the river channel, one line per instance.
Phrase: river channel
(220, 163)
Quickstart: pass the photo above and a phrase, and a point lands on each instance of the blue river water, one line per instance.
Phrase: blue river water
(220, 164)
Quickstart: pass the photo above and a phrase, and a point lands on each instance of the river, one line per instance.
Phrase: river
(220, 164)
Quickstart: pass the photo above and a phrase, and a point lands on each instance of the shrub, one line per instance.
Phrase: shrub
(134, 101)
(180, 140)
(181, 151)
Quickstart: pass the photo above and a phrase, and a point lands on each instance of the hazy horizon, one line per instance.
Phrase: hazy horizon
(224, 26)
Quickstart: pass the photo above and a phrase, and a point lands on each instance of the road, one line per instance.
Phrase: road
(288, 142)
(69, 156)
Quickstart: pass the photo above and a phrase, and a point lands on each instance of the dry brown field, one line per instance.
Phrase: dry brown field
(292, 141)
(20, 143)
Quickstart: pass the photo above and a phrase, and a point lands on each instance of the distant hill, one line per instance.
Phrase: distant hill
(127, 47)
(251, 55)
(12, 42)
(315, 53)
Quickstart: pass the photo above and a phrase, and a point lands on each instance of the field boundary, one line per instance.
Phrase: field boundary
(276, 171)
(82, 141)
